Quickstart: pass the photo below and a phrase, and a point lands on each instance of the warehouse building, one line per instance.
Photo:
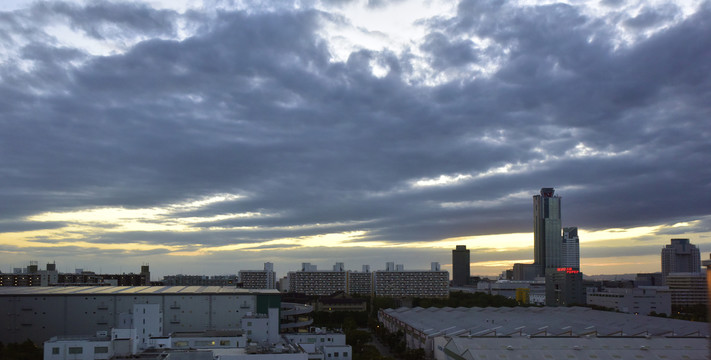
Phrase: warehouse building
(514, 332)
(39, 313)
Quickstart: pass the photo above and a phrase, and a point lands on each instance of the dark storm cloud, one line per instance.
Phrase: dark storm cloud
(650, 17)
(19, 226)
(110, 20)
(252, 104)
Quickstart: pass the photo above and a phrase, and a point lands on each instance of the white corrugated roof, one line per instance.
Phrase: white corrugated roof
(545, 321)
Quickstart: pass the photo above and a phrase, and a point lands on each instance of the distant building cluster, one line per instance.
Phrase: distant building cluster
(556, 252)
(555, 277)
(33, 276)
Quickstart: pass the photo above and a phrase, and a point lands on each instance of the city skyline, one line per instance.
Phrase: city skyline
(208, 137)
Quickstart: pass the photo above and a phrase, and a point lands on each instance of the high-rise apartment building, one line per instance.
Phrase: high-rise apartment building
(311, 281)
(398, 282)
(259, 279)
(680, 256)
(460, 266)
(571, 248)
(547, 240)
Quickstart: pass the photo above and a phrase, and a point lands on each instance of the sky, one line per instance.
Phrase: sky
(208, 137)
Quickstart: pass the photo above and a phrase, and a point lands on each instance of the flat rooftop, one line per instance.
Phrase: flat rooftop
(128, 290)
(541, 321)
(579, 348)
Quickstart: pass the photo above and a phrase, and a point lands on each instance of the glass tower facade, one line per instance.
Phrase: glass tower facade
(547, 228)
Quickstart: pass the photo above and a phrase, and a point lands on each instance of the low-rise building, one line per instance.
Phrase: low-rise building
(340, 302)
(643, 300)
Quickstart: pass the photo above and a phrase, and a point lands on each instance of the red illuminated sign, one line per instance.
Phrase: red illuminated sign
(568, 270)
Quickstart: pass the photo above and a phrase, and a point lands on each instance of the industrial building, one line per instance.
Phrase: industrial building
(258, 338)
(39, 313)
(545, 333)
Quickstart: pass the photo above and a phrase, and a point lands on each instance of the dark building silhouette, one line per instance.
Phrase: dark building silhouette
(547, 241)
(460, 266)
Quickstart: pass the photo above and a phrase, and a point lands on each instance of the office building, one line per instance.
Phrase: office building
(535, 291)
(259, 279)
(547, 241)
(641, 301)
(460, 266)
(570, 248)
(648, 279)
(688, 288)
(564, 287)
(525, 272)
(680, 256)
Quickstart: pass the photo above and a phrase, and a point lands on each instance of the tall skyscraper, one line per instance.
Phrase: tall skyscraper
(680, 256)
(547, 240)
(460, 266)
(571, 248)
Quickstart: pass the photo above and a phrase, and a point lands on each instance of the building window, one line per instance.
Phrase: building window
(75, 350)
(335, 354)
(224, 343)
(345, 354)
(101, 349)
(55, 351)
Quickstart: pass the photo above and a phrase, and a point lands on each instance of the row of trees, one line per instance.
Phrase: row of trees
(20, 351)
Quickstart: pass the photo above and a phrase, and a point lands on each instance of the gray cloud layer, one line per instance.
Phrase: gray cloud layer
(252, 104)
